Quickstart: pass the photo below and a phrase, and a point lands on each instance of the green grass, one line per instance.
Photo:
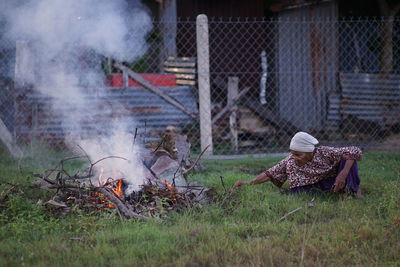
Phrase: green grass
(337, 230)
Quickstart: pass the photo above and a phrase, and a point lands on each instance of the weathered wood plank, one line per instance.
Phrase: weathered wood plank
(179, 70)
(180, 64)
(185, 82)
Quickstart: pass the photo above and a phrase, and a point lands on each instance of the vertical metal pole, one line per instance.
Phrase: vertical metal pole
(263, 81)
(233, 92)
(125, 79)
(169, 28)
(34, 132)
(203, 73)
(109, 65)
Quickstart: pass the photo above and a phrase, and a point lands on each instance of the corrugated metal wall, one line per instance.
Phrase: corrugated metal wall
(371, 97)
(307, 63)
(137, 106)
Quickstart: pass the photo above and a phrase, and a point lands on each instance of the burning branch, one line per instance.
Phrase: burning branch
(128, 213)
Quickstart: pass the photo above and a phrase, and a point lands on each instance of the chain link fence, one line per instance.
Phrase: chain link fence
(338, 80)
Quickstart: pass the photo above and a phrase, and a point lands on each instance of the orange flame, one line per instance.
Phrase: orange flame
(168, 185)
(170, 188)
(118, 190)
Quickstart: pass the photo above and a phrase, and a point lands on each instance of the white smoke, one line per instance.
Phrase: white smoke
(68, 38)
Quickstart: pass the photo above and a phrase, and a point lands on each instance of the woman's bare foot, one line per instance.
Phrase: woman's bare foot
(358, 193)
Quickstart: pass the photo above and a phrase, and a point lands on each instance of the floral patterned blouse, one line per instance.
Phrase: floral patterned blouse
(323, 165)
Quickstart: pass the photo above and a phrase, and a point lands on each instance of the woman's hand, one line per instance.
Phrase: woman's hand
(239, 184)
(340, 182)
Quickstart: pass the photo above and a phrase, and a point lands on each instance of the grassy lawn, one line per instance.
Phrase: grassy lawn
(328, 230)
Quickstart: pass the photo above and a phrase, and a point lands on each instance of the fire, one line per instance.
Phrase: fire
(170, 188)
(118, 190)
(116, 186)
(168, 185)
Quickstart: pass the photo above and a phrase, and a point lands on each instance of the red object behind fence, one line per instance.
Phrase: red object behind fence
(116, 80)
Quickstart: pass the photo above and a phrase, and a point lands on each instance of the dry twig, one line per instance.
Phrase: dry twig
(289, 213)
(196, 161)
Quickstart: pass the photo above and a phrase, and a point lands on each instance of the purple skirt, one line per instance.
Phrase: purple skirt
(352, 182)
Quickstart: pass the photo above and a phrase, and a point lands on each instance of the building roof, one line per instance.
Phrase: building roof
(280, 5)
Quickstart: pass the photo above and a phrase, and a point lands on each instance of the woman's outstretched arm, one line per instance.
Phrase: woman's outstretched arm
(276, 174)
(261, 178)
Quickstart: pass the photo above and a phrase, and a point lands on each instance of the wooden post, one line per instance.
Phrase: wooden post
(233, 92)
(203, 73)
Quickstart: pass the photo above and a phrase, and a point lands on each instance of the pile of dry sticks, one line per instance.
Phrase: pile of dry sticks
(155, 198)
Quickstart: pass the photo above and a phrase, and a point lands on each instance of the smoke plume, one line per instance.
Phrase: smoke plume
(69, 39)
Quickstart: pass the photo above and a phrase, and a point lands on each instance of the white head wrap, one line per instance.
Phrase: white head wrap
(303, 142)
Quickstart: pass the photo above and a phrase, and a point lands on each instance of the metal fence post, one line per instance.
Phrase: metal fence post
(233, 92)
(203, 71)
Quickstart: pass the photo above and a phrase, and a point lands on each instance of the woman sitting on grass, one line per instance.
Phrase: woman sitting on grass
(311, 169)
